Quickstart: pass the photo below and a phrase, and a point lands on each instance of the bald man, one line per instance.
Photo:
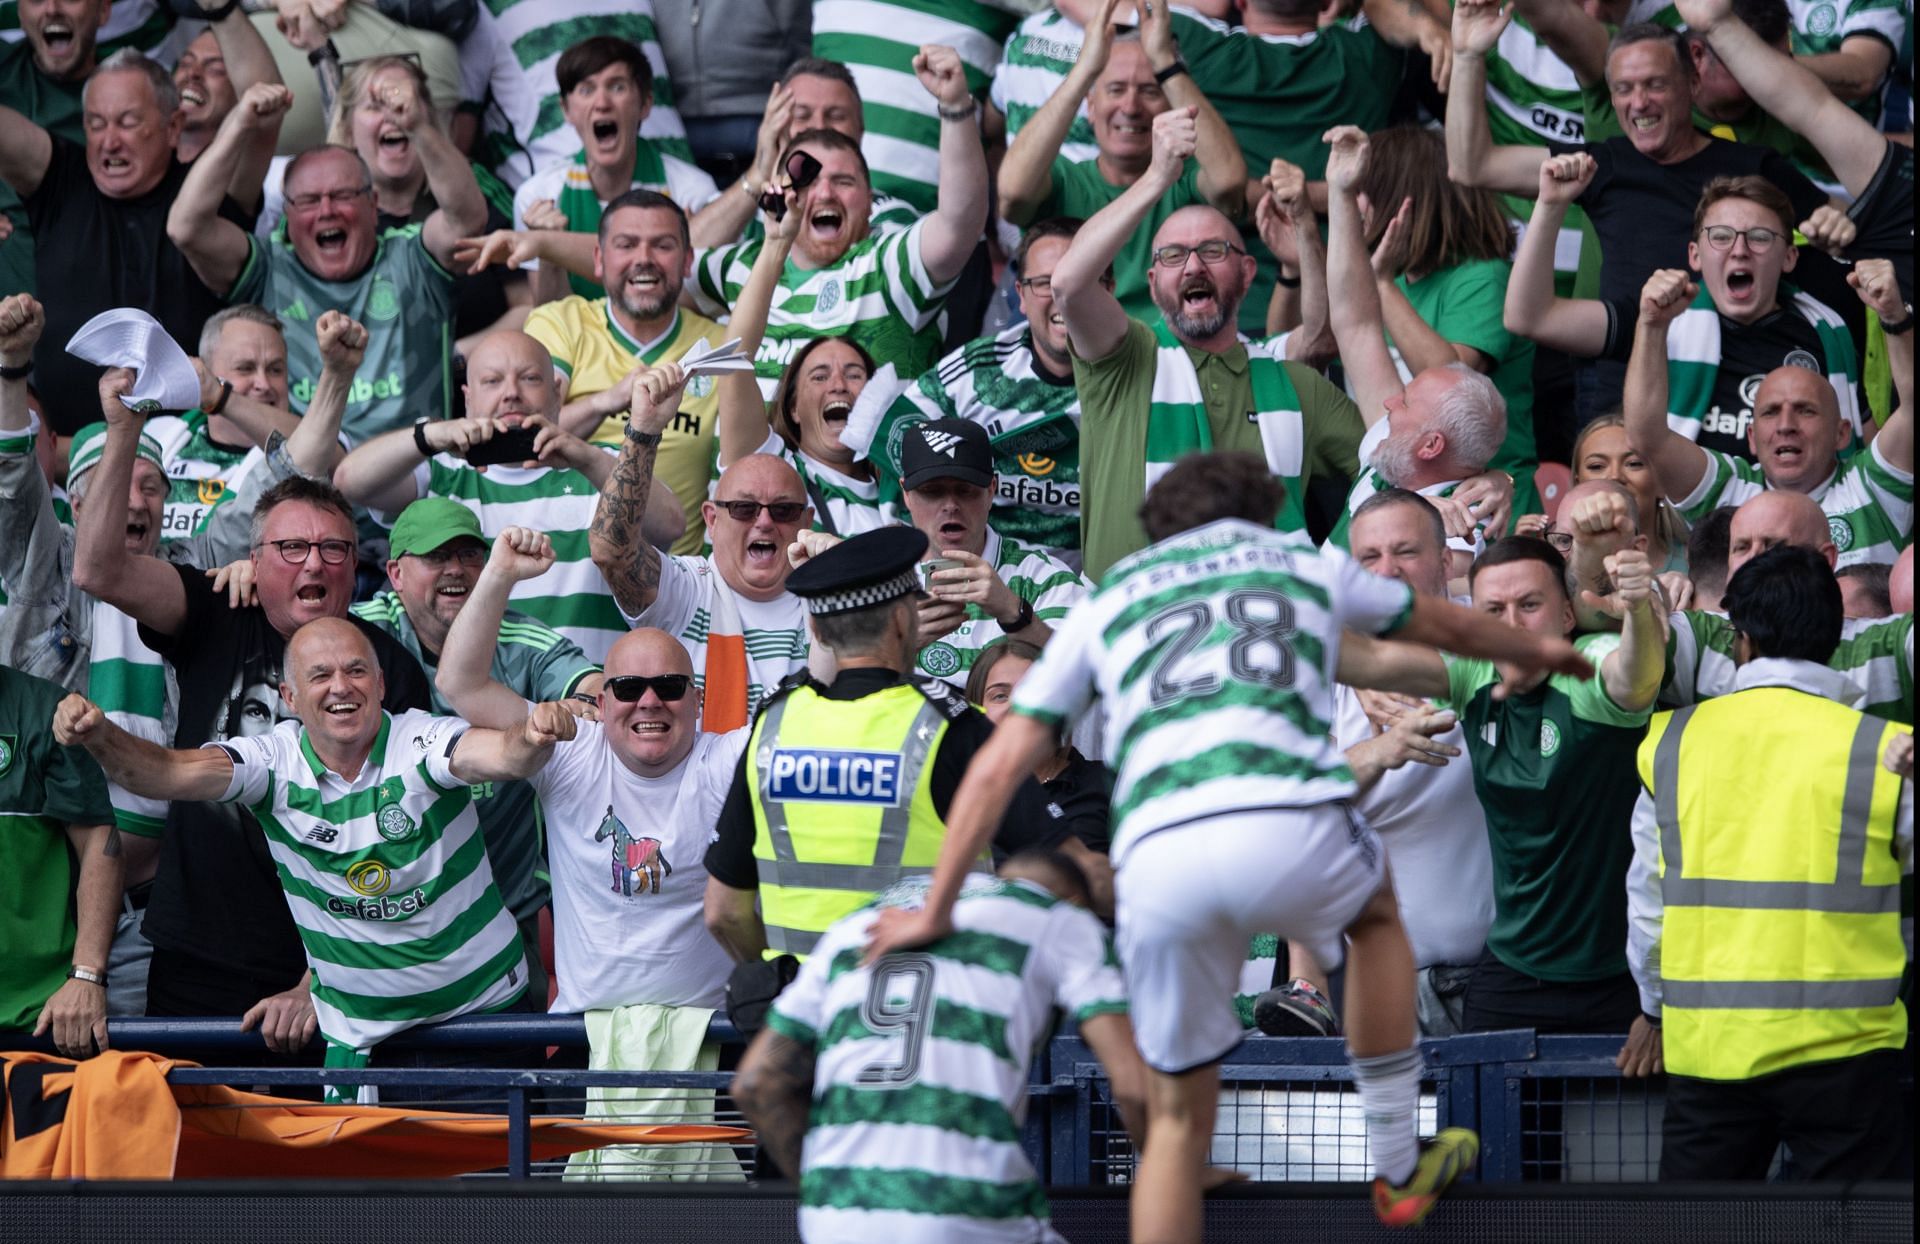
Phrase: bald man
(1204, 387)
(1796, 438)
(744, 631)
(630, 803)
(1875, 654)
(549, 479)
(415, 947)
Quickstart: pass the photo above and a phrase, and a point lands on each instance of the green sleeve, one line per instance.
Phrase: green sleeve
(1332, 424)
(1723, 472)
(1588, 696)
(1465, 677)
(1066, 196)
(1128, 371)
(252, 281)
(559, 671)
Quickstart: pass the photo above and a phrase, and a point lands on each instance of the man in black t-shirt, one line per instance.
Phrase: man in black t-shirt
(99, 217)
(224, 941)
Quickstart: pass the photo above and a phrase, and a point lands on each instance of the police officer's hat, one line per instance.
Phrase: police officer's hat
(869, 569)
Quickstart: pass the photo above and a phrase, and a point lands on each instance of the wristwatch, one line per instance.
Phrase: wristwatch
(420, 437)
(642, 438)
(89, 975)
(220, 403)
(1174, 70)
(1902, 325)
(1021, 620)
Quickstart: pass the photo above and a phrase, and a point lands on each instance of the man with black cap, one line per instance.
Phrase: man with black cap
(853, 778)
(436, 552)
(982, 585)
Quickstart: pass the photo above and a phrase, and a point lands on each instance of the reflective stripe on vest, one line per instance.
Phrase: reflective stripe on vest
(785, 870)
(1846, 893)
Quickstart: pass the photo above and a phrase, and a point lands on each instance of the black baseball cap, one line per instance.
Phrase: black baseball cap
(946, 449)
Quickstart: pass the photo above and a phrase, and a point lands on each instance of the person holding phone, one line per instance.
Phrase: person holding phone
(510, 463)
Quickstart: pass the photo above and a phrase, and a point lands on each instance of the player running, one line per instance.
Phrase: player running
(1213, 652)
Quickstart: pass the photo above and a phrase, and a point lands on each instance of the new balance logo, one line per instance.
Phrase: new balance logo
(322, 834)
(940, 442)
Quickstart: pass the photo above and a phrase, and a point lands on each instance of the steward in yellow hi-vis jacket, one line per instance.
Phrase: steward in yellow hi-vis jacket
(844, 788)
(1770, 845)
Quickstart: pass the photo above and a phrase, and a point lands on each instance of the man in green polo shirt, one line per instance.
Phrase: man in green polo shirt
(55, 927)
(437, 552)
(1149, 395)
(1125, 83)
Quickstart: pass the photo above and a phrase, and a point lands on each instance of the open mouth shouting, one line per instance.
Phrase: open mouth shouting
(763, 554)
(606, 135)
(60, 38)
(394, 141)
(312, 595)
(1197, 295)
(834, 413)
(1742, 286)
(331, 242)
(137, 532)
(825, 221)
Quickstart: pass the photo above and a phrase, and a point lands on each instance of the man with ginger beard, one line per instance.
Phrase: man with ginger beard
(745, 632)
(630, 802)
(1875, 654)
(224, 941)
(1203, 385)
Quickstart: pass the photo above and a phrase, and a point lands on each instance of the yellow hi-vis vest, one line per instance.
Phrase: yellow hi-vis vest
(842, 805)
(1781, 941)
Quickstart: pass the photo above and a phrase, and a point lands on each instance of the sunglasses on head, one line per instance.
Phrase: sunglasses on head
(778, 511)
(628, 688)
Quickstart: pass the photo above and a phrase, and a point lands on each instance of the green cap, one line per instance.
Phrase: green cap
(90, 444)
(431, 522)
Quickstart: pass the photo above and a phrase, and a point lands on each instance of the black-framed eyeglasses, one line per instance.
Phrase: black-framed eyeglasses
(295, 552)
(628, 688)
(339, 198)
(1172, 256)
(1562, 540)
(744, 511)
(1760, 239)
(1042, 285)
(465, 554)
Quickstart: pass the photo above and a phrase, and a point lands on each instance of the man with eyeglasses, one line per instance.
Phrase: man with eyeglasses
(1799, 421)
(224, 941)
(744, 631)
(436, 553)
(329, 254)
(630, 802)
(1150, 395)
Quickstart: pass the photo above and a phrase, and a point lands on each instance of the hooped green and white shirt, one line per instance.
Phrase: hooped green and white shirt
(879, 295)
(1036, 60)
(1213, 654)
(386, 876)
(843, 504)
(877, 41)
(572, 596)
(202, 474)
(1867, 500)
(1032, 420)
(1048, 584)
(1821, 26)
(1875, 655)
(920, 1064)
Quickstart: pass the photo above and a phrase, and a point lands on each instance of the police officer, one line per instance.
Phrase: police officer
(1764, 900)
(844, 788)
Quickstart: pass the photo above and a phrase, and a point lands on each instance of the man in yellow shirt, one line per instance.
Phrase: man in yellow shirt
(642, 257)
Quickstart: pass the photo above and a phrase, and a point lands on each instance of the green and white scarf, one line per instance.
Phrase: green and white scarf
(1177, 420)
(129, 682)
(1693, 358)
(579, 202)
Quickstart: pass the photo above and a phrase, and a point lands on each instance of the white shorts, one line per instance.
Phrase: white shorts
(1190, 898)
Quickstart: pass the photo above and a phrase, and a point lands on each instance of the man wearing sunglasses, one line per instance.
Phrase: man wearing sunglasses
(436, 553)
(223, 940)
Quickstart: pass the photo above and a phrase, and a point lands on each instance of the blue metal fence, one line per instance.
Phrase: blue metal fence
(1547, 1108)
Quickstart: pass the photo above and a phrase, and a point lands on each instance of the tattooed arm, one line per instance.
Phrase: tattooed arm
(617, 540)
(774, 1087)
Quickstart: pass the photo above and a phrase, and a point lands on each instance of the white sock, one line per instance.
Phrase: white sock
(1389, 1094)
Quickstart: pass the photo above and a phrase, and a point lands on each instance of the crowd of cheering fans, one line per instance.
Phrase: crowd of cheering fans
(481, 639)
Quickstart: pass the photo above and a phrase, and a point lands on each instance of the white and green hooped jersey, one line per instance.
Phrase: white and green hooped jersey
(1033, 422)
(920, 1072)
(1821, 26)
(1875, 655)
(572, 596)
(1213, 653)
(136, 689)
(1048, 584)
(1868, 501)
(879, 295)
(1034, 63)
(531, 35)
(201, 474)
(877, 40)
(385, 875)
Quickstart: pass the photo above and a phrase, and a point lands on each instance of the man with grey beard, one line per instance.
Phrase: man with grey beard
(1149, 395)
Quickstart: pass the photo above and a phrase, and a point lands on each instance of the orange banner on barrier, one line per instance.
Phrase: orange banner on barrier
(116, 1117)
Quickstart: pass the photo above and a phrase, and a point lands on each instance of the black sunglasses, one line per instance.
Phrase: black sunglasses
(628, 688)
(779, 511)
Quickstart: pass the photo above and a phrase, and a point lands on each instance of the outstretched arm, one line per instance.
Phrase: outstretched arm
(774, 1088)
(1572, 34)
(460, 209)
(217, 249)
(1222, 179)
(25, 151)
(1026, 171)
(196, 774)
(1096, 323)
(1352, 295)
(464, 676)
(138, 584)
(484, 755)
(743, 412)
(1874, 280)
(1472, 157)
(954, 227)
(1632, 672)
(1576, 325)
(1287, 226)
(617, 540)
(1678, 464)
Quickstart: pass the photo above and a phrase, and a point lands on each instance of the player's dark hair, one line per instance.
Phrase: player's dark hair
(1205, 488)
(1787, 603)
(1510, 549)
